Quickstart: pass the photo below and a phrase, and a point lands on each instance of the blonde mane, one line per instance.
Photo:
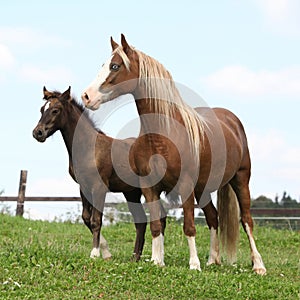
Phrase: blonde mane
(158, 84)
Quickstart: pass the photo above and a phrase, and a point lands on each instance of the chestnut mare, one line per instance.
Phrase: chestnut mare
(193, 151)
(94, 173)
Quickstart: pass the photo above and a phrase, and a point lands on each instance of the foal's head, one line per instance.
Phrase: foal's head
(118, 76)
(52, 111)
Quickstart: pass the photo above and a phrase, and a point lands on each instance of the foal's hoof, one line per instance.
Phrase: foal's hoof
(135, 257)
(260, 271)
(95, 253)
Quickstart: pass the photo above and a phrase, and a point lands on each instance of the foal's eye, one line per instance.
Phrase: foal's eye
(114, 67)
(55, 111)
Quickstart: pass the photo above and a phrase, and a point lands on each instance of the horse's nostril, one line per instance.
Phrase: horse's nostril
(39, 133)
(85, 96)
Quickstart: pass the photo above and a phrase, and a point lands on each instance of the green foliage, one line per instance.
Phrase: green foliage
(286, 201)
(42, 260)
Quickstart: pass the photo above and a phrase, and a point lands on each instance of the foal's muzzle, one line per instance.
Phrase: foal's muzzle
(39, 133)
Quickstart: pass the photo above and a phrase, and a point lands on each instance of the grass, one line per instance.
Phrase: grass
(42, 260)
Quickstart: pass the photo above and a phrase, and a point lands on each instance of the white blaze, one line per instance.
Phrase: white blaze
(103, 74)
(46, 106)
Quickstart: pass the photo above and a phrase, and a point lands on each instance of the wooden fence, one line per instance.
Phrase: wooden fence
(258, 213)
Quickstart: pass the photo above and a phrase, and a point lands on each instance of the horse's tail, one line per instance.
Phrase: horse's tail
(228, 211)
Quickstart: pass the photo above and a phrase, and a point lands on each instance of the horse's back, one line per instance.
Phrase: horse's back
(226, 139)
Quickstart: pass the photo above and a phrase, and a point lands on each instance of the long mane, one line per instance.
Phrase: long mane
(159, 85)
(86, 114)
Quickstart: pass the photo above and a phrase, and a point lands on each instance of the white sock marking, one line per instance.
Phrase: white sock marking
(214, 252)
(258, 265)
(95, 253)
(194, 260)
(158, 250)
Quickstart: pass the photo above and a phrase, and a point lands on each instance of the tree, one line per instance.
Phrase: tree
(263, 201)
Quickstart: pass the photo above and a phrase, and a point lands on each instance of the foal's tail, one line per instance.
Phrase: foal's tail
(228, 211)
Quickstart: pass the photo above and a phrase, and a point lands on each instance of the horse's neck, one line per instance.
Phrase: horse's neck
(151, 120)
(76, 126)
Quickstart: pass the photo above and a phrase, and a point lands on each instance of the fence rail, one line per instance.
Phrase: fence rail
(258, 213)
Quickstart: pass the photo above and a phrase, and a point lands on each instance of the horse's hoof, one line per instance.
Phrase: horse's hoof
(159, 263)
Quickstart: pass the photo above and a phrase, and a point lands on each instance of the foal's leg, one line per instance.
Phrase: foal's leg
(163, 218)
(86, 216)
(153, 204)
(86, 211)
(140, 220)
(211, 217)
(104, 248)
(190, 231)
(240, 185)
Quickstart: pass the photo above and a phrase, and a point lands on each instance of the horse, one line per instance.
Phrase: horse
(193, 151)
(95, 174)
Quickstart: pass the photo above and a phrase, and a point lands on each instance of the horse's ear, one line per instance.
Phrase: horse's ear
(66, 95)
(114, 45)
(127, 49)
(46, 93)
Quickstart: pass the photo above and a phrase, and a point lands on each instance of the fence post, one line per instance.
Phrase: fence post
(21, 195)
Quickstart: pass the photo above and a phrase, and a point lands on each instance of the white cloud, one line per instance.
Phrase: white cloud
(52, 75)
(6, 57)
(265, 145)
(275, 162)
(240, 80)
(30, 38)
(281, 16)
(7, 62)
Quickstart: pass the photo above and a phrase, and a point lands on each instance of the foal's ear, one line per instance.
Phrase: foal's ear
(66, 95)
(46, 93)
(114, 45)
(127, 49)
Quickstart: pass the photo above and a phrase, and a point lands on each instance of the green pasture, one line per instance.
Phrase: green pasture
(42, 260)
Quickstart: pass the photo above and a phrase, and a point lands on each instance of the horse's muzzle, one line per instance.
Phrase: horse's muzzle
(39, 134)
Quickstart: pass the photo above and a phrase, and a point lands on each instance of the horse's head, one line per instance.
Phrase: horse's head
(52, 114)
(118, 76)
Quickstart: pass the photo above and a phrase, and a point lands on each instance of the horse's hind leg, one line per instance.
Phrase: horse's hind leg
(240, 184)
(140, 220)
(211, 217)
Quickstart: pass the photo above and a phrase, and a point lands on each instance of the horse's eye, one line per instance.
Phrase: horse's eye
(55, 111)
(114, 67)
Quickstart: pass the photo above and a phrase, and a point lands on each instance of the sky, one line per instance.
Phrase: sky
(241, 55)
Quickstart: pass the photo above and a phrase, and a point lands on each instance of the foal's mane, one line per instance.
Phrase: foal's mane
(85, 113)
(159, 85)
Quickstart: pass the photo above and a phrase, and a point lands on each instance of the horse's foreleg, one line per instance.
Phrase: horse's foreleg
(190, 231)
(153, 204)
